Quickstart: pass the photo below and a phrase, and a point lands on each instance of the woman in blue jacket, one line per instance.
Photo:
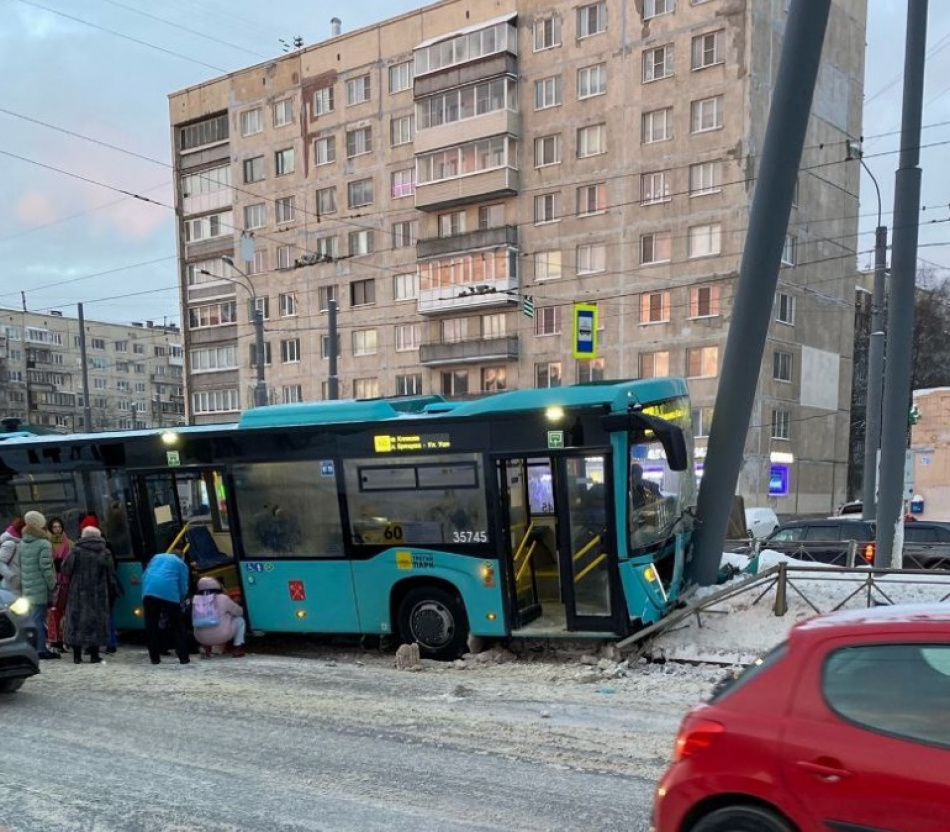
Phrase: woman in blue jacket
(164, 590)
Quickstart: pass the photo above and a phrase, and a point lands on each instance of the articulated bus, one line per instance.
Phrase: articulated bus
(531, 513)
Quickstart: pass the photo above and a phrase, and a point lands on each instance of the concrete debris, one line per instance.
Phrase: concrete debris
(407, 657)
(588, 659)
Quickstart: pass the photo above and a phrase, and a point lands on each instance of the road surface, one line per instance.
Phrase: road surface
(336, 740)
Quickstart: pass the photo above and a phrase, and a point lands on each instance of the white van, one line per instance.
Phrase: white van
(760, 522)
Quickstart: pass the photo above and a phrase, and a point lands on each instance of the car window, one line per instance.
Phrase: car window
(916, 535)
(898, 689)
(850, 530)
(793, 533)
(822, 531)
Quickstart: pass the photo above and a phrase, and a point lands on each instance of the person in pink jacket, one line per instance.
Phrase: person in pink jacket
(229, 626)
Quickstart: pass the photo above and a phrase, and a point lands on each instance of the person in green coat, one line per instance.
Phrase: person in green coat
(38, 575)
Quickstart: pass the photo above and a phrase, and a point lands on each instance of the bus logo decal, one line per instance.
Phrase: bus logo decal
(404, 560)
(297, 590)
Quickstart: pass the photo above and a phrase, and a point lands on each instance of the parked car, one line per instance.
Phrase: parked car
(18, 659)
(826, 540)
(842, 727)
(760, 522)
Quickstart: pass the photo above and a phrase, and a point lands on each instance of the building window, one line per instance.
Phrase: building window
(451, 224)
(361, 242)
(654, 187)
(780, 424)
(454, 330)
(547, 92)
(400, 130)
(790, 250)
(407, 337)
(359, 141)
(707, 49)
(658, 63)
(654, 364)
(402, 183)
(209, 131)
(786, 308)
(325, 346)
(326, 201)
(262, 303)
(253, 169)
(654, 8)
(363, 292)
(656, 247)
(494, 379)
(654, 307)
(255, 216)
(547, 321)
(704, 240)
(404, 234)
(545, 208)
(590, 369)
(703, 301)
(360, 193)
(215, 401)
(290, 350)
(409, 385)
(365, 388)
(547, 265)
(400, 77)
(782, 366)
(324, 295)
(251, 122)
(291, 393)
(462, 103)
(288, 305)
(323, 101)
(591, 258)
(284, 209)
(491, 216)
(494, 326)
(547, 374)
(591, 81)
(364, 342)
(326, 247)
(283, 112)
(284, 162)
(591, 199)
(591, 19)
(208, 227)
(702, 421)
(462, 160)
(547, 151)
(324, 150)
(358, 90)
(454, 383)
(706, 114)
(252, 354)
(285, 257)
(657, 126)
(702, 362)
(547, 32)
(705, 178)
(591, 140)
(406, 286)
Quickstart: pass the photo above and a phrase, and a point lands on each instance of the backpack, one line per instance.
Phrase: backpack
(204, 611)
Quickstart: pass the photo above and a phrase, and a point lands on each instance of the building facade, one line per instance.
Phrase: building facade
(930, 445)
(135, 373)
(442, 172)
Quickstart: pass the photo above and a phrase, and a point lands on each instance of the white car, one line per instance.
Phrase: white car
(760, 522)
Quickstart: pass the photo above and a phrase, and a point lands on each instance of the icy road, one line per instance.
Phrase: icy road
(338, 740)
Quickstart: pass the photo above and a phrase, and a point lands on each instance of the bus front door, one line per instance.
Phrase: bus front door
(520, 542)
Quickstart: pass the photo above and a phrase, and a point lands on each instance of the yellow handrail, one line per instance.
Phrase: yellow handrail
(527, 560)
(584, 550)
(524, 540)
(596, 562)
(178, 537)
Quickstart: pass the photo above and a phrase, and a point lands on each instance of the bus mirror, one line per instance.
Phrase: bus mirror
(668, 434)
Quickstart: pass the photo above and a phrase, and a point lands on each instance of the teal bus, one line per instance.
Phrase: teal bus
(561, 512)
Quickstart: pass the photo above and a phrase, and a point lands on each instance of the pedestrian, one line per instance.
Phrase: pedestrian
(91, 577)
(38, 575)
(216, 619)
(10, 555)
(115, 588)
(62, 546)
(164, 590)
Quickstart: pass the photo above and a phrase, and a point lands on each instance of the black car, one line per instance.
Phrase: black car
(18, 659)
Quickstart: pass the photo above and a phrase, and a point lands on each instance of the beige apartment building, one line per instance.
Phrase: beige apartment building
(436, 173)
(135, 373)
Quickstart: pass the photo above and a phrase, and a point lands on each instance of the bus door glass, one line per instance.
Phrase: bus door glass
(520, 540)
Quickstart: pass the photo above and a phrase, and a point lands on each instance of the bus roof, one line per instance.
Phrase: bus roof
(332, 412)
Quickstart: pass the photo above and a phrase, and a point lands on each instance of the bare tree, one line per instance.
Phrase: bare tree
(931, 344)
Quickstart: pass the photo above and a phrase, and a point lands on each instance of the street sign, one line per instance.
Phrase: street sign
(585, 330)
(527, 306)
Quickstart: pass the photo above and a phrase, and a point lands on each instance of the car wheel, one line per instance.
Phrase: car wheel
(11, 685)
(742, 819)
(435, 620)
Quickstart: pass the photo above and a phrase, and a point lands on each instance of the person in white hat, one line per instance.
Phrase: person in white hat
(37, 575)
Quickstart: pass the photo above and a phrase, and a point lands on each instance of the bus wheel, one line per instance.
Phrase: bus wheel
(436, 620)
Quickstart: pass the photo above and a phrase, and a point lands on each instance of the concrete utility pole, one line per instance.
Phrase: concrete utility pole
(333, 379)
(900, 300)
(84, 362)
(758, 276)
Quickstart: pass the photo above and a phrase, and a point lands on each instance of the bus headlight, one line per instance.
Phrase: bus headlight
(488, 574)
(21, 606)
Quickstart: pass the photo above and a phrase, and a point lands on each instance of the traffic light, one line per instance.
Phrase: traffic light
(913, 417)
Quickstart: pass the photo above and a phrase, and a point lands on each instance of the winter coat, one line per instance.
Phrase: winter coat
(10, 561)
(166, 577)
(91, 580)
(223, 632)
(36, 566)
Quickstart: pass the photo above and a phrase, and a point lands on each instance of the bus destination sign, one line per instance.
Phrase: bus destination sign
(386, 444)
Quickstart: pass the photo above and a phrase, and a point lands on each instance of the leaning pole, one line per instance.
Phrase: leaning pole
(758, 276)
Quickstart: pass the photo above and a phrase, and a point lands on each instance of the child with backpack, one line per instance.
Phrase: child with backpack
(217, 619)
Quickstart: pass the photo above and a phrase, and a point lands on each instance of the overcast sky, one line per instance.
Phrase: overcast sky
(65, 239)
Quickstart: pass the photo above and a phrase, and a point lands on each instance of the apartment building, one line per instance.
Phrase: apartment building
(433, 172)
(135, 373)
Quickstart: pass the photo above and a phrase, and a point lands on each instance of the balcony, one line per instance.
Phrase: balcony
(495, 123)
(469, 351)
(460, 75)
(453, 298)
(506, 235)
(474, 187)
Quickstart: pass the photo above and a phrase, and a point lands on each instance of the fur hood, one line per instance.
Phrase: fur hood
(29, 530)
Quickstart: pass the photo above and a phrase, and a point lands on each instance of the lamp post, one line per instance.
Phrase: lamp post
(260, 390)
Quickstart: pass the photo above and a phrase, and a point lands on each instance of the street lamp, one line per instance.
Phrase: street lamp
(260, 390)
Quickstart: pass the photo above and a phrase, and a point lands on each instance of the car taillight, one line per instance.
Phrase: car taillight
(696, 735)
(869, 552)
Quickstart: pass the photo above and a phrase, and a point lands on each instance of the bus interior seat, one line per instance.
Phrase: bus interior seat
(203, 550)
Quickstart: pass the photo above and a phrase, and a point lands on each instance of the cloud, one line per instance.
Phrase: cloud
(34, 208)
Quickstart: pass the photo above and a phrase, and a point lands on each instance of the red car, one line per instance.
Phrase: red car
(844, 728)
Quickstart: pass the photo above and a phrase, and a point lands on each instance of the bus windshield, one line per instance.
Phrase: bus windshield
(657, 496)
